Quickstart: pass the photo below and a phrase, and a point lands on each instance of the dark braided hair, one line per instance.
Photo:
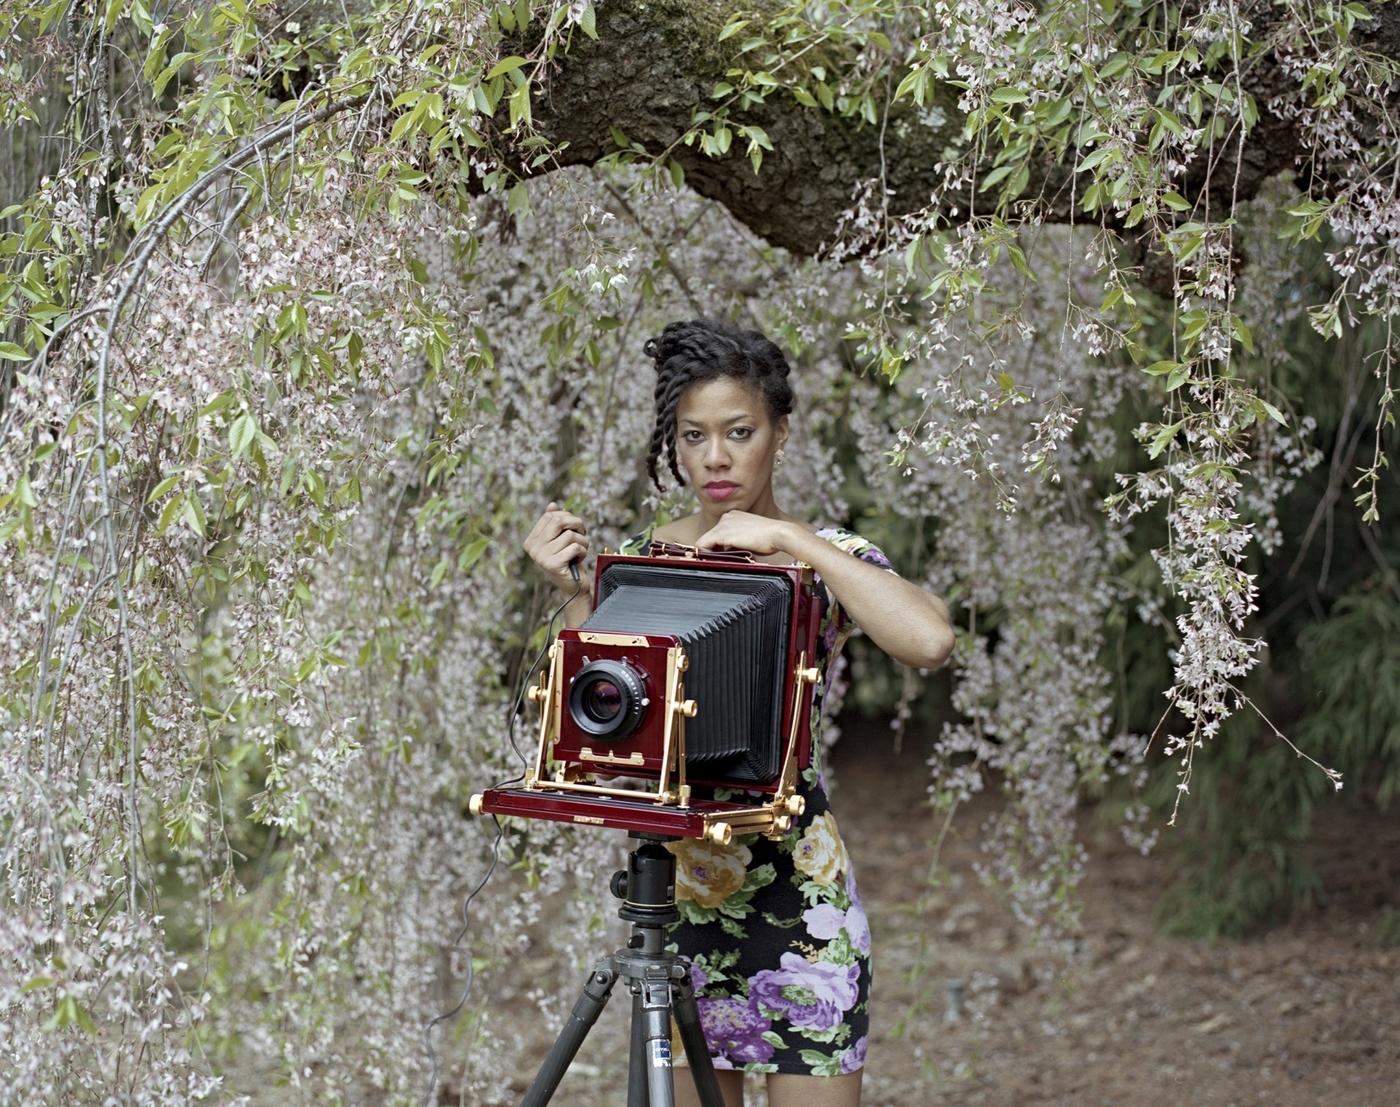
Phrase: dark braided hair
(701, 350)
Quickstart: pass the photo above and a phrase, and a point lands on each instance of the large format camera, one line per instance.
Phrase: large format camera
(694, 673)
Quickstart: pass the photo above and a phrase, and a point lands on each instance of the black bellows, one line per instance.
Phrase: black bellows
(734, 627)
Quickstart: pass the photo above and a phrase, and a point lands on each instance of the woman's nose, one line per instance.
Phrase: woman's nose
(716, 457)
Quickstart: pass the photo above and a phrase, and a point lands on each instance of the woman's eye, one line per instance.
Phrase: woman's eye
(741, 432)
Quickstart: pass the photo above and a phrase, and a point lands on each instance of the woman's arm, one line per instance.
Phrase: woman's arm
(911, 625)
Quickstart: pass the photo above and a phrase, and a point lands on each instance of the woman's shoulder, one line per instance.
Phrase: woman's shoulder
(679, 531)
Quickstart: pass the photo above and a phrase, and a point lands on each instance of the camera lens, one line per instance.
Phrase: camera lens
(602, 701)
(607, 699)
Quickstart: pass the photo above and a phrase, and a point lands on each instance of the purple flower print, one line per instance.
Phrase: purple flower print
(734, 1030)
(854, 1058)
(832, 630)
(810, 996)
(826, 922)
(858, 929)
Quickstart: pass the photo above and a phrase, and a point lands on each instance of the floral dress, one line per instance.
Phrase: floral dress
(775, 933)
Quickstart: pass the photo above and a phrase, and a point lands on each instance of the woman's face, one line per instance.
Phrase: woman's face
(726, 444)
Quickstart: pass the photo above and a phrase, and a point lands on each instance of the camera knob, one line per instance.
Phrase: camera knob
(808, 676)
(721, 834)
(535, 694)
(474, 804)
(795, 805)
(687, 708)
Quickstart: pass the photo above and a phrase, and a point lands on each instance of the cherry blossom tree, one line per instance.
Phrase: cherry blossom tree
(305, 309)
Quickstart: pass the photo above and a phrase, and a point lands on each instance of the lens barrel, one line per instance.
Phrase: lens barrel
(607, 699)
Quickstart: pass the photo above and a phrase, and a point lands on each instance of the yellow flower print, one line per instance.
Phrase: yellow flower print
(707, 873)
(820, 853)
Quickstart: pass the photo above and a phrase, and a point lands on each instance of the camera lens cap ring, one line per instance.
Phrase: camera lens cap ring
(607, 699)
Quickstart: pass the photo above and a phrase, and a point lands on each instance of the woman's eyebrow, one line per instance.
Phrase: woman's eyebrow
(740, 418)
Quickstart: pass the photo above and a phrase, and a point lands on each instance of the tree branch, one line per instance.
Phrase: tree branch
(656, 62)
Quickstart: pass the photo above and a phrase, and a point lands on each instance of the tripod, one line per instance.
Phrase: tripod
(660, 986)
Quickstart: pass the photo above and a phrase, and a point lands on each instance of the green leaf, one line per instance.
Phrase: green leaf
(168, 513)
(1164, 436)
(472, 553)
(506, 65)
(163, 487)
(193, 514)
(732, 29)
(1000, 173)
(520, 106)
(12, 352)
(1009, 95)
(241, 433)
(1114, 66)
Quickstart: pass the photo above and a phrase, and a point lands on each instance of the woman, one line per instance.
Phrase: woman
(775, 932)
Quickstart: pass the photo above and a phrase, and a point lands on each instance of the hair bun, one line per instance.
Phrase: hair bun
(765, 356)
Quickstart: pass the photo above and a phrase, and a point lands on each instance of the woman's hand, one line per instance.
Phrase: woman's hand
(745, 531)
(557, 539)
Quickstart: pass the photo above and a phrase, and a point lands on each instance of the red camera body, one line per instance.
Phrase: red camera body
(694, 671)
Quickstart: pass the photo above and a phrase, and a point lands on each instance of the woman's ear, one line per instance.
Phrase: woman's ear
(781, 431)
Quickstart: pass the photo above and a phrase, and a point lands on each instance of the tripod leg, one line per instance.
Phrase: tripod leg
(697, 1050)
(656, 1019)
(596, 990)
(637, 1058)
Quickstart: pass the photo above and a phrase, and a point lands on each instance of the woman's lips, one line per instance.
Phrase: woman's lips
(721, 489)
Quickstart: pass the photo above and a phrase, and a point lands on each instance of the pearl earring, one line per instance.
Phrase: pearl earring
(778, 460)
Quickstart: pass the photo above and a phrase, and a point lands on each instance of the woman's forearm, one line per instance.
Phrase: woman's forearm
(911, 625)
(578, 609)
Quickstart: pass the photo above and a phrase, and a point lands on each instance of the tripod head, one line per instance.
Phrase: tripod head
(647, 887)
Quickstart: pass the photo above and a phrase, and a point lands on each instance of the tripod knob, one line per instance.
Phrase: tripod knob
(619, 884)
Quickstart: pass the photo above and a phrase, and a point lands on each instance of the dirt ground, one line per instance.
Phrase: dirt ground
(1306, 1016)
